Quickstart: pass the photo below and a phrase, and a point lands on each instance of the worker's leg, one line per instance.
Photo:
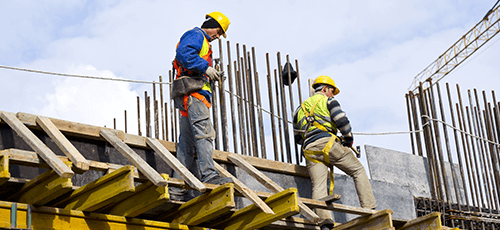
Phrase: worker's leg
(203, 132)
(343, 158)
(319, 179)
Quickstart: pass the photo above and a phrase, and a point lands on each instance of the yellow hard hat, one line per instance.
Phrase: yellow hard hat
(325, 80)
(221, 19)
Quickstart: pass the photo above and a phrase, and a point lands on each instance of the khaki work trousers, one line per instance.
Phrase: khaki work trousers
(342, 158)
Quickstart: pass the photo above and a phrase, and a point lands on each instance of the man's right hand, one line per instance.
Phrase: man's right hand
(213, 74)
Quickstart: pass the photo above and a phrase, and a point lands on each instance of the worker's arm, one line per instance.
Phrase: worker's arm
(340, 119)
(187, 51)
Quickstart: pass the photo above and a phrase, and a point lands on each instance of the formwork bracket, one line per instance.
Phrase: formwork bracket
(205, 207)
(4, 168)
(429, 221)
(102, 192)
(146, 196)
(284, 204)
(382, 220)
(44, 188)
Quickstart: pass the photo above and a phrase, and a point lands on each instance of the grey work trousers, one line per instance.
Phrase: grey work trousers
(342, 158)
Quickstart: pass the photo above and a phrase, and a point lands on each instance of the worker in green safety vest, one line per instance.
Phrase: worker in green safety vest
(316, 122)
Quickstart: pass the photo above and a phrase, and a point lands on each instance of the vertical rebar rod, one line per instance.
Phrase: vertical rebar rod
(459, 155)
(162, 114)
(416, 123)
(472, 123)
(155, 108)
(409, 123)
(271, 109)
(114, 123)
(448, 148)
(491, 159)
(244, 108)
(300, 96)
(259, 107)
(166, 121)
(231, 97)
(215, 114)
(222, 99)
(465, 147)
(279, 116)
(246, 102)
(474, 158)
(292, 106)
(138, 117)
(425, 127)
(240, 105)
(146, 110)
(495, 154)
(285, 114)
(438, 141)
(125, 121)
(251, 104)
(477, 122)
(433, 145)
(467, 151)
(484, 156)
(173, 111)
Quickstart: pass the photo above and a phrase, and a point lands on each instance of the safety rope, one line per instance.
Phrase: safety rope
(466, 133)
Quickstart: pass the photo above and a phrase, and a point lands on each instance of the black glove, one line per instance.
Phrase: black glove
(347, 142)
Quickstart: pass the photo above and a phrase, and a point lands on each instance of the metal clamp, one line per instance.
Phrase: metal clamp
(13, 217)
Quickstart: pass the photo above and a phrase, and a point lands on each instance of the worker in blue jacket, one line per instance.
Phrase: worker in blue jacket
(192, 96)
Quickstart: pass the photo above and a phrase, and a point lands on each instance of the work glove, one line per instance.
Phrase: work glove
(347, 141)
(213, 74)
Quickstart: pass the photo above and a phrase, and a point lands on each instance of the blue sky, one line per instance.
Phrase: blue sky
(372, 49)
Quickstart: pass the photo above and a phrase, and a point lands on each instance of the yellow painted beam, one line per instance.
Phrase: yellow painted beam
(205, 207)
(146, 196)
(382, 220)
(4, 168)
(44, 188)
(55, 218)
(283, 204)
(430, 221)
(102, 192)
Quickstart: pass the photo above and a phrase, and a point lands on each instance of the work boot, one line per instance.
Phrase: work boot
(220, 180)
(176, 194)
(326, 226)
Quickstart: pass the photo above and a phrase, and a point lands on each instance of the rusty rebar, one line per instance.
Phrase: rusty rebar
(231, 99)
(284, 110)
(416, 123)
(408, 110)
(138, 117)
(425, 127)
(222, 101)
(271, 108)
(162, 114)
(259, 107)
(279, 117)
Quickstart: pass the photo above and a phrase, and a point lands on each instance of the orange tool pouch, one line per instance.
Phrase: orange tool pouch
(199, 97)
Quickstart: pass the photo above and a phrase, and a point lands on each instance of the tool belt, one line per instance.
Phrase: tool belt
(186, 84)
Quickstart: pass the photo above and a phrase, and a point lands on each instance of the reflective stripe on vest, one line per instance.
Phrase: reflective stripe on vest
(196, 95)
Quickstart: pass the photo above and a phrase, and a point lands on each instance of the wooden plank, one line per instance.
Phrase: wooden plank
(205, 207)
(55, 218)
(245, 191)
(381, 220)
(269, 184)
(36, 144)
(69, 128)
(44, 188)
(135, 159)
(291, 223)
(284, 203)
(175, 164)
(429, 221)
(102, 192)
(146, 196)
(63, 143)
(330, 198)
(4, 169)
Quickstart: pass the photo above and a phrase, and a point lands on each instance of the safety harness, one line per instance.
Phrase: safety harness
(311, 120)
(196, 95)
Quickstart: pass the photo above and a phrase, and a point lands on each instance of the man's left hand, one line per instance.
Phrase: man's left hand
(347, 142)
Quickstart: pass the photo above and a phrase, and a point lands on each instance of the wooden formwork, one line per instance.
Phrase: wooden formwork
(136, 196)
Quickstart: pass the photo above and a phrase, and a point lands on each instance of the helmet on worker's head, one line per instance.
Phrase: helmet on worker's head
(325, 80)
(221, 19)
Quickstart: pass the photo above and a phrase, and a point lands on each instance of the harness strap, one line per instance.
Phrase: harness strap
(326, 159)
(199, 97)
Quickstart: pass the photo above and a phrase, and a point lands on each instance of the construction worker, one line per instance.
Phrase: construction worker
(316, 122)
(192, 96)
